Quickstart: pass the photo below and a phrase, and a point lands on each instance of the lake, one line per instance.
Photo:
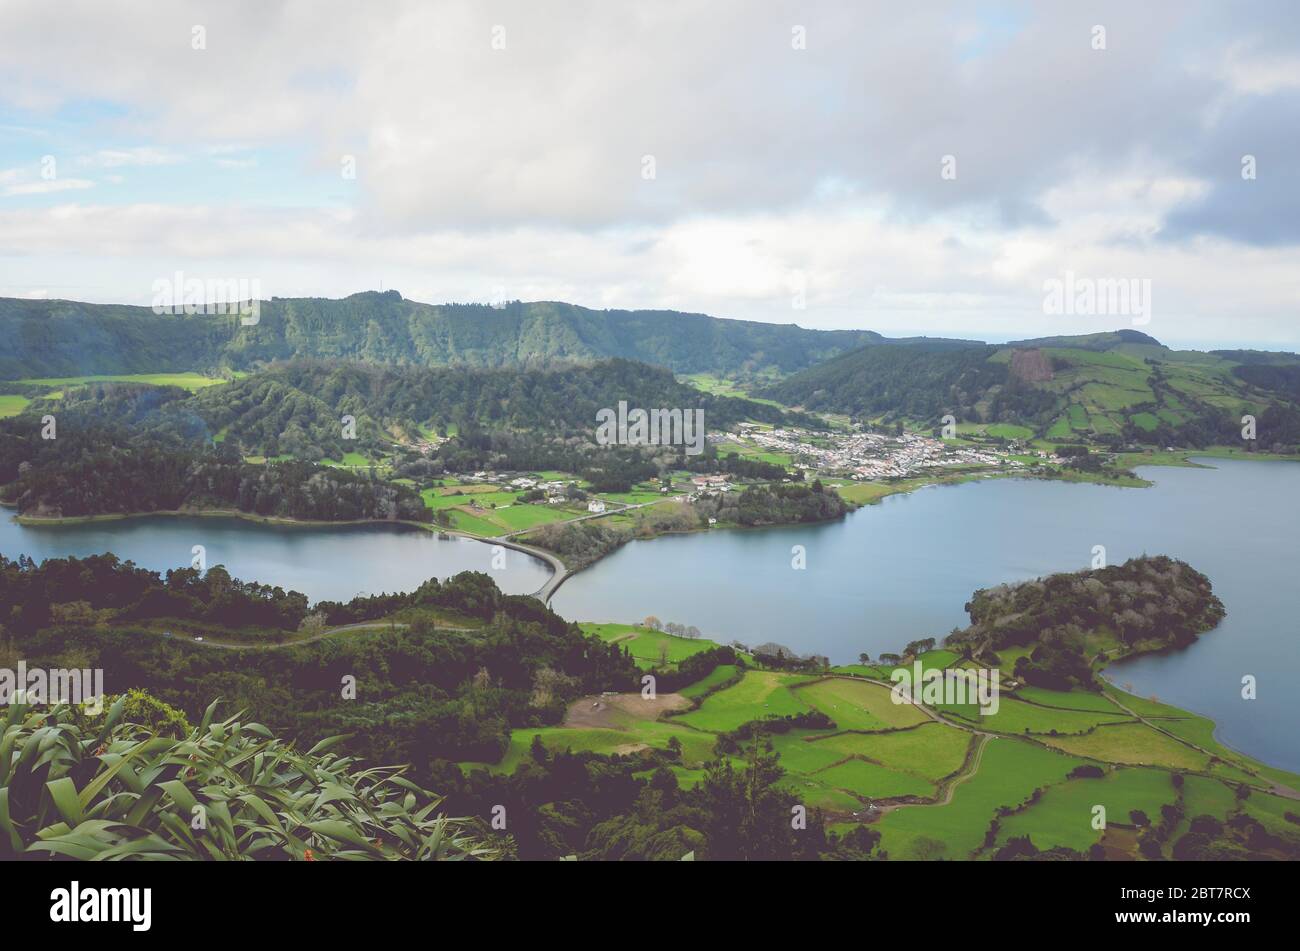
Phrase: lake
(331, 562)
(903, 569)
(885, 575)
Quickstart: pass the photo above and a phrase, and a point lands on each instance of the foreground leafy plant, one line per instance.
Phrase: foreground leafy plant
(101, 788)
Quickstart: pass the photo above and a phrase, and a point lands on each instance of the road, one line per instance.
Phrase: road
(359, 626)
(561, 571)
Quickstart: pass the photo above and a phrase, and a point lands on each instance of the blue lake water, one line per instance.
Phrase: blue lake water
(323, 562)
(887, 574)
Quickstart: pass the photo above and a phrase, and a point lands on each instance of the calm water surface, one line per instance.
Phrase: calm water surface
(323, 562)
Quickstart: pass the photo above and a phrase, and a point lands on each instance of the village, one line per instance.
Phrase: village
(874, 455)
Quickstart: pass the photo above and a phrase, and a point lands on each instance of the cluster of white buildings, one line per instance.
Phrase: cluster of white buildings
(869, 456)
(555, 489)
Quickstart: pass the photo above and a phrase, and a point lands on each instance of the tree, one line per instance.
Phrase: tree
(652, 622)
(864, 659)
(748, 816)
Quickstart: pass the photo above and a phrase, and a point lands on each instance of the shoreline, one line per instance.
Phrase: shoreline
(561, 572)
(558, 568)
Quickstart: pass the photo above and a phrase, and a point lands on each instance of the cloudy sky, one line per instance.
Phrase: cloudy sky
(828, 164)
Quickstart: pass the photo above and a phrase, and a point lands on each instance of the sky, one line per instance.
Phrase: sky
(925, 168)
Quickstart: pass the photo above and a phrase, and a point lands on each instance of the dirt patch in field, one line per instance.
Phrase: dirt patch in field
(597, 712)
(1031, 365)
(1120, 844)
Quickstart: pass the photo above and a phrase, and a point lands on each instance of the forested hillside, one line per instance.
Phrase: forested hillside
(276, 409)
(46, 338)
(1120, 387)
(133, 447)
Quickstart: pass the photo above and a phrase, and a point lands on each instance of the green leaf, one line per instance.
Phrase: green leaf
(64, 793)
(180, 794)
(328, 742)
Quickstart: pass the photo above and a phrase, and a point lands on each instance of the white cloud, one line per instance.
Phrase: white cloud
(46, 187)
(478, 167)
(1249, 70)
(117, 158)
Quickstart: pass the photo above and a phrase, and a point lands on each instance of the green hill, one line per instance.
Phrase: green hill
(1113, 387)
(47, 338)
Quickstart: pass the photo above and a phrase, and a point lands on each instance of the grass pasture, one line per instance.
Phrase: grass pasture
(930, 751)
(758, 695)
(11, 404)
(1017, 717)
(188, 381)
(720, 675)
(857, 705)
(1009, 771)
(1133, 744)
(873, 781)
(649, 648)
(1064, 814)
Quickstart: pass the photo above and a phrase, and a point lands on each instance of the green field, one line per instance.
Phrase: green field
(1018, 717)
(1009, 772)
(856, 705)
(649, 648)
(350, 460)
(873, 781)
(188, 381)
(720, 675)
(489, 511)
(473, 524)
(930, 751)
(718, 386)
(1132, 744)
(933, 787)
(527, 515)
(1207, 797)
(1064, 814)
(11, 404)
(760, 694)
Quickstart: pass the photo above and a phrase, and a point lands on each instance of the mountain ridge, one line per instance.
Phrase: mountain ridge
(43, 338)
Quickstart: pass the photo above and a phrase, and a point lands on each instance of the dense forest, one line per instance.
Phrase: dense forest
(107, 469)
(296, 407)
(776, 504)
(911, 382)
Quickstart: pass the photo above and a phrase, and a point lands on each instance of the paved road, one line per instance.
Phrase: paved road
(561, 571)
